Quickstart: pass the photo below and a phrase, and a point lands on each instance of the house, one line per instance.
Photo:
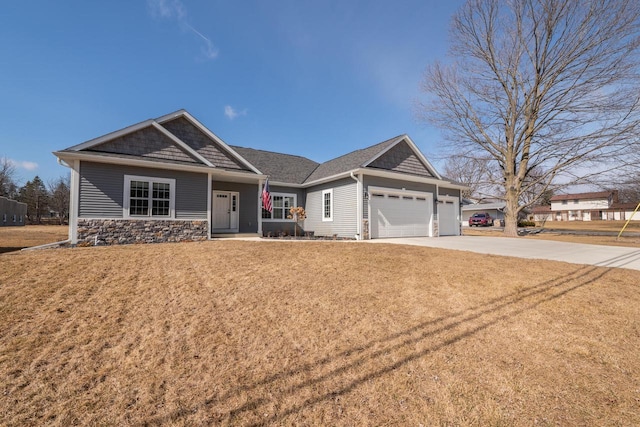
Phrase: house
(602, 205)
(172, 179)
(12, 212)
(541, 213)
(495, 209)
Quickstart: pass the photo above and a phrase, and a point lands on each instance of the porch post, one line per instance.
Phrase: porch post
(74, 209)
(260, 184)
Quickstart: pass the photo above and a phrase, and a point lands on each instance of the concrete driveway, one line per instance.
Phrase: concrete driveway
(576, 253)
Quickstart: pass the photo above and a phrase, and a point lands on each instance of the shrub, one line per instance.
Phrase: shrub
(525, 223)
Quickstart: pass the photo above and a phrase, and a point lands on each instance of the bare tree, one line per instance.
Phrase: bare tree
(477, 173)
(8, 187)
(548, 85)
(59, 196)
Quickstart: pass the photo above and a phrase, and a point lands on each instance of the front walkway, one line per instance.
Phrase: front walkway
(576, 253)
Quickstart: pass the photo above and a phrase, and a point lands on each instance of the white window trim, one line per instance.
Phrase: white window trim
(330, 193)
(286, 213)
(150, 179)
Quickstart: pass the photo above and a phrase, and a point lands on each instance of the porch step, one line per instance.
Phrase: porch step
(233, 235)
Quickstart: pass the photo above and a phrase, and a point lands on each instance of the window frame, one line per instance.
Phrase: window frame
(323, 213)
(150, 180)
(284, 209)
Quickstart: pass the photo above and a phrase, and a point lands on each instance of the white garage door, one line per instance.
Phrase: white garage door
(448, 217)
(399, 214)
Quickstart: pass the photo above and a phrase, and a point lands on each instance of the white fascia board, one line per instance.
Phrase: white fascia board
(387, 174)
(204, 129)
(415, 150)
(89, 157)
(285, 184)
(182, 144)
(216, 172)
(112, 135)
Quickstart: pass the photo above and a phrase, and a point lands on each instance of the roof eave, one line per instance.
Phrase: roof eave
(112, 135)
(198, 168)
(386, 174)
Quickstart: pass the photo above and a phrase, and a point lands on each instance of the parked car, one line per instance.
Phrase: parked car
(479, 219)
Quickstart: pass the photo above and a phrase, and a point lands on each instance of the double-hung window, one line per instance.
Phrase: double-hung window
(147, 197)
(280, 205)
(327, 205)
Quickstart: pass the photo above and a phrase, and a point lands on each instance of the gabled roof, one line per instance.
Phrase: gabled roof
(156, 139)
(367, 157)
(284, 168)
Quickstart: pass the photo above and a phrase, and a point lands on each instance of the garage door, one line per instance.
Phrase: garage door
(399, 214)
(448, 217)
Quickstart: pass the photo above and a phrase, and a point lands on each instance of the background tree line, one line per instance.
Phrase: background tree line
(44, 200)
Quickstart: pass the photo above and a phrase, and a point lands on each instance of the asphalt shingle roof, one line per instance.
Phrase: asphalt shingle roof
(279, 167)
(350, 161)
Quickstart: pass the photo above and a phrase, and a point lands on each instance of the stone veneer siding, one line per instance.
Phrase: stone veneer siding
(121, 232)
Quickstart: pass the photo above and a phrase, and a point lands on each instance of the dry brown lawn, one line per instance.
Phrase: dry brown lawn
(613, 226)
(16, 238)
(314, 333)
(578, 226)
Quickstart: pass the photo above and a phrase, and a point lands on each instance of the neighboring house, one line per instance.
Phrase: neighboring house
(541, 213)
(496, 210)
(172, 179)
(12, 212)
(602, 205)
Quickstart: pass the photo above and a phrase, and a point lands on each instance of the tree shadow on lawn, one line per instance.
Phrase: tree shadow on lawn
(442, 332)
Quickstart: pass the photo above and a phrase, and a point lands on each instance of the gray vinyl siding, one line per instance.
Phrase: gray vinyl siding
(345, 216)
(247, 205)
(448, 192)
(375, 181)
(102, 188)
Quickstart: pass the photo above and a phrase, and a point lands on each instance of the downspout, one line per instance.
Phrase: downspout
(260, 185)
(358, 235)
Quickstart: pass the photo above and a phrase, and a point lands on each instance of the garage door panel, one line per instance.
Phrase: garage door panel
(448, 218)
(399, 216)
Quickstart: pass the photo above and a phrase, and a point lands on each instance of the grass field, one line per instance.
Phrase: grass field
(16, 238)
(318, 333)
(612, 226)
(578, 227)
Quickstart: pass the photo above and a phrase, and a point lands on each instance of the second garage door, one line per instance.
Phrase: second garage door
(448, 209)
(394, 213)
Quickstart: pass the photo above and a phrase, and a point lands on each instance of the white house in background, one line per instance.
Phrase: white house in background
(495, 209)
(602, 205)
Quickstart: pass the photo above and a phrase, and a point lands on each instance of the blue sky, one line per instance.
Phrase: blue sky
(317, 79)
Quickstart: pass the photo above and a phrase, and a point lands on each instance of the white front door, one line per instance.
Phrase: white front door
(225, 211)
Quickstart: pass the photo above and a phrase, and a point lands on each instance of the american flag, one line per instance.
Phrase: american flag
(266, 197)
